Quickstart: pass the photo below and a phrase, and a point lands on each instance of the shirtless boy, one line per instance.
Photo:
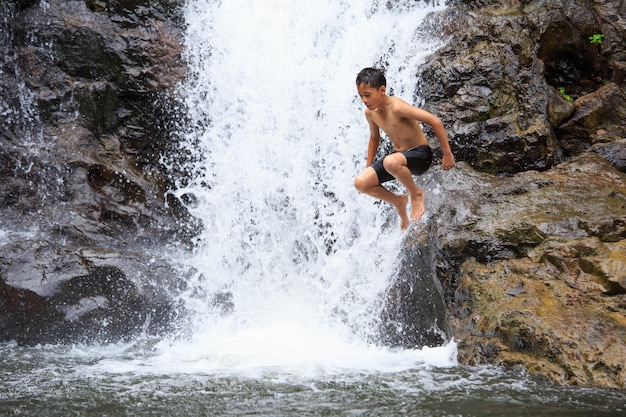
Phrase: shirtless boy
(412, 156)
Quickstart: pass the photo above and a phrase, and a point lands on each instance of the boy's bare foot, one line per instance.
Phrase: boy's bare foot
(403, 200)
(417, 206)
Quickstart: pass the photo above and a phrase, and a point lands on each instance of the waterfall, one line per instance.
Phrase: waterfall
(292, 261)
(18, 110)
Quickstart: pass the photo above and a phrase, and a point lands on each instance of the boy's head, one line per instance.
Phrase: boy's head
(371, 86)
(373, 77)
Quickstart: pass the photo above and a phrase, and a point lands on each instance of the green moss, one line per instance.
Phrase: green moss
(525, 235)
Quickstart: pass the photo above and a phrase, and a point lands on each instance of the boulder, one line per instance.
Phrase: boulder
(55, 294)
(599, 117)
(533, 268)
(414, 314)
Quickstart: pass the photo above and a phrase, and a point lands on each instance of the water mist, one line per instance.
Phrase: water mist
(292, 260)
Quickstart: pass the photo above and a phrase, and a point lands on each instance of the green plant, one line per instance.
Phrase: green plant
(596, 38)
(567, 96)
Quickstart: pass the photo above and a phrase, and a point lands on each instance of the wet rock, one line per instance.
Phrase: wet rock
(414, 312)
(105, 305)
(493, 83)
(551, 328)
(533, 268)
(55, 294)
(99, 93)
(24, 315)
(559, 107)
(531, 261)
(87, 101)
(599, 117)
(39, 265)
(614, 152)
(488, 87)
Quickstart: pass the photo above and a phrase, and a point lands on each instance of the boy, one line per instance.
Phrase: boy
(400, 121)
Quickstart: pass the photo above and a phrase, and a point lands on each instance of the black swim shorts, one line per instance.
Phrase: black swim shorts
(418, 160)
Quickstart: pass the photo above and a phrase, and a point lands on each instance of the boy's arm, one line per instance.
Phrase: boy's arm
(435, 122)
(372, 146)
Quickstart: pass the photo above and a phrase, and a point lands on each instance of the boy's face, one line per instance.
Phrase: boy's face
(371, 97)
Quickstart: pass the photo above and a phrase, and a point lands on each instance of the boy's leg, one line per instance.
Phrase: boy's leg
(396, 165)
(367, 182)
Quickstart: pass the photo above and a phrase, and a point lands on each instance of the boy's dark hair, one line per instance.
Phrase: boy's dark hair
(373, 77)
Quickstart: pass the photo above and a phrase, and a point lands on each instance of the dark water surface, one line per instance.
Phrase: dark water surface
(59, 381)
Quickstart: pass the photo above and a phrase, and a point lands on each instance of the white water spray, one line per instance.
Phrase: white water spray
(298, 259)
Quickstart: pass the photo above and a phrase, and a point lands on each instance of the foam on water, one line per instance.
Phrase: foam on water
(292, 262)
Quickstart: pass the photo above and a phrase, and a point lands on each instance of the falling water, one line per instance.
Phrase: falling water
(295, 259)
(18, 112)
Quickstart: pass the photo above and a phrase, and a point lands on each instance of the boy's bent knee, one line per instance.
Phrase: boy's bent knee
(359, 184)
(366, 180)
(362, 184)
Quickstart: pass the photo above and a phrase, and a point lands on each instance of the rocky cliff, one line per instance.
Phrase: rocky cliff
(531, 249)
(87, 114)
(528, 246)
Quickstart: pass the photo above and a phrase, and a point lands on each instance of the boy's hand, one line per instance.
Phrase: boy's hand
(448, 161)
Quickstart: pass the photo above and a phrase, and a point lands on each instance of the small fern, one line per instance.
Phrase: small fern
(596, 38)
(567, 96)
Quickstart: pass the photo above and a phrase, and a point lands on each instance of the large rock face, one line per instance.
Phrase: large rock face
(85, 105)
(497, 83)
(532, 259)
(534, 268)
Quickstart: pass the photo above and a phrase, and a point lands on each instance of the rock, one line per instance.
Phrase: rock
(531, 262)
(599, 117)
(551, 328)
(559, 108)
(414, 314)
(489, 90)
(99, 84)
(493, 83)
(614, 152)
(619, 74)
(87, 98)
(54, 294)
(533, 268)
(570, 60)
